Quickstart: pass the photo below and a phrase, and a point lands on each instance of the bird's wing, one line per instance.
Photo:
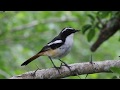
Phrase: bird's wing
(53, 44)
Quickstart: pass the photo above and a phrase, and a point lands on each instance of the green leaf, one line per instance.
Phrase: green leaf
(119, 36)
(115, 70)
(91, 17)
(119, 39)
(114, 77)
(85, 28)
(103, 14)
(91, 34)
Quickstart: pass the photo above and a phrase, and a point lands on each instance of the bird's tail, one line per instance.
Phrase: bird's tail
(30, 59)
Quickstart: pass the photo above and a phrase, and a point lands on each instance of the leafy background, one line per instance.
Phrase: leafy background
(24, 33)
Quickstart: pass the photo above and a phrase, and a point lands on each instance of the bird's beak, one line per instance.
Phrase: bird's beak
(77, 30)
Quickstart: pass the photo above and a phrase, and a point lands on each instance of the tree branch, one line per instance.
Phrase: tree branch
(106, 32)
(36, 22)
(77, 69)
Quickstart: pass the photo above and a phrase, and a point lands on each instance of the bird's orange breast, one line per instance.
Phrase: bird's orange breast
(50, 52)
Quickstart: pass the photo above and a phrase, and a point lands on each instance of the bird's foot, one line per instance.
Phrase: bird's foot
(57, 68)
(66, 66)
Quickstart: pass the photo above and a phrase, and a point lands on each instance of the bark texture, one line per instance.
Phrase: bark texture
(77, 69)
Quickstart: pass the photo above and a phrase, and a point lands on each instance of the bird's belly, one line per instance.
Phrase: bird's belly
(61, 52)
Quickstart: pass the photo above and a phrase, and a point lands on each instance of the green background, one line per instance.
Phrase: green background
(24, 33)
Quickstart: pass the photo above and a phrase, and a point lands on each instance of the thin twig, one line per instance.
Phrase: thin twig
(100, 21)
(36, 22)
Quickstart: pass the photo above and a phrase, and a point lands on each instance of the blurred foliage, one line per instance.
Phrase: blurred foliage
(24, 33)
(116, 71)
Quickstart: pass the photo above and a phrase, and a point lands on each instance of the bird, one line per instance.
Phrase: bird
(57, 48)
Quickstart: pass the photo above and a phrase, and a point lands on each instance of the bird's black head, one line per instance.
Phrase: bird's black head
(67, 31)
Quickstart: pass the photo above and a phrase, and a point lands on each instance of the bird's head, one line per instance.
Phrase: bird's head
(68, 31)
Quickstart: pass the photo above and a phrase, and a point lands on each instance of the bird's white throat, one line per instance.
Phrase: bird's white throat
(69, 40)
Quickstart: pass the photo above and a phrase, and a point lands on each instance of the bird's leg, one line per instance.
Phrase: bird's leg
(65, 65)
(54, 65)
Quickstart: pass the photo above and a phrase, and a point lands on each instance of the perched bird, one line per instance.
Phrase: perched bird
(59, 47)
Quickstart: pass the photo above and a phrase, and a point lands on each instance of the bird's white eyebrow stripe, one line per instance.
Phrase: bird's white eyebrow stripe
(55, 42)
(66, 28)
